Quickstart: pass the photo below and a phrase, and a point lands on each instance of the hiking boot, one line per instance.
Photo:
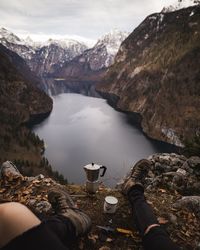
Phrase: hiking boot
(137, 176)
(64, 205)
(10, 171)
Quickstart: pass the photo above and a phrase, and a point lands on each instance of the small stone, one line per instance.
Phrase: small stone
(181, 171)
(192, 203)
(35, 181)
(40, 176)
(194, 161)
(109, 240)
(104, 248)
(172, 218)
(151, 174)
(26, 192)
(178, 180)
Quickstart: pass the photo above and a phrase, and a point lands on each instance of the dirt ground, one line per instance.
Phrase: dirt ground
(182, 225)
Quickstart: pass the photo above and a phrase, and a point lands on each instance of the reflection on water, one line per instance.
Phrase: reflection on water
(82, 129)
(58, 86)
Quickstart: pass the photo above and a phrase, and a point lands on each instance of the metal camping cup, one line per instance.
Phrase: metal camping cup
(92, 171)
(110, 204)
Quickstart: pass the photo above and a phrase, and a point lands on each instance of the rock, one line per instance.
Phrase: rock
(104, 248)
(186, 167)
(192, 203)
(196, 186)
(8, 169)
(109, 239)
(38, 177)
(194, 162)
(157, 166)
(178, 179)
(151, 174)
(181, 171)
(172, 218)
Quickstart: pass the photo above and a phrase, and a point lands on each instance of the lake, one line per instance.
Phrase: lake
(81, 130)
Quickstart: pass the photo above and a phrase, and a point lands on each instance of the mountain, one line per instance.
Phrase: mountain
(180, 4)
(20, 102)
(92, 63)
(66, 57)
(42, 58)
(53, 54)
(19, 95)
(30, 43)
(17, 45)
(22, 67)
(9, 36)
(103, 53)
(156, 75)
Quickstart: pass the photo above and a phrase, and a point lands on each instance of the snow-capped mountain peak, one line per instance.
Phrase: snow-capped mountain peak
(112, 41)
(180, 4)
(46, 57)
(64, 43)
(9, 36)
(103, 53)
(42, 57)
(28, 41)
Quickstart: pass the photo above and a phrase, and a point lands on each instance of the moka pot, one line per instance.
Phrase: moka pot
(93, 171)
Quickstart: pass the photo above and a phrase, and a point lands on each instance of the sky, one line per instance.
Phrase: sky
(78, 19)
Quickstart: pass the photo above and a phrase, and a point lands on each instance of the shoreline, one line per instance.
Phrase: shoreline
(135, 119)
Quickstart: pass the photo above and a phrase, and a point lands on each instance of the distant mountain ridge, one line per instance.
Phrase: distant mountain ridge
(42, 58)
(47, 58)
(53, 55)
(92, 63)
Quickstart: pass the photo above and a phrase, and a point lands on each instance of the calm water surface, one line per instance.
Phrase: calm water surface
(82, 129)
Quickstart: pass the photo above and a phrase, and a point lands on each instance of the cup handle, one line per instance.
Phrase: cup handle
(104, 170)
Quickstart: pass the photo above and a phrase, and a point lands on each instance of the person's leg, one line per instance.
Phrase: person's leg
(63, 228)
(154, 237)
(142, 211)
(66, 210)
(15, 219)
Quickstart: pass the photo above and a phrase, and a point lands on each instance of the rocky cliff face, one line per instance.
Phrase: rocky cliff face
(156, 74)
(20, 102)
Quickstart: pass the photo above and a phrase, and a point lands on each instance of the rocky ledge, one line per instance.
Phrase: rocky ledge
(172, 189)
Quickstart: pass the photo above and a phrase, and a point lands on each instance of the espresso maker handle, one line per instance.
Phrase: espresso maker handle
(104, 170)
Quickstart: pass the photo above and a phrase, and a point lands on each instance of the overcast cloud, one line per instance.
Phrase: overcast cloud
(75, 18)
